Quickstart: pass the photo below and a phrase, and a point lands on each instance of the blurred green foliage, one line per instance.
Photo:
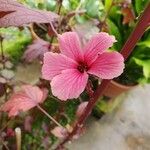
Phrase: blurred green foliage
(15, 41)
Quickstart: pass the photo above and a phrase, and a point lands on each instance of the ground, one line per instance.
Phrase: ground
(127, 128)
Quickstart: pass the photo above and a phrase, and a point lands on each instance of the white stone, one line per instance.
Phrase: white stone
(8, 74)
(8, 65)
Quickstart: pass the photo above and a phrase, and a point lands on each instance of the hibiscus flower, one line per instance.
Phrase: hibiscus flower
(69, 70)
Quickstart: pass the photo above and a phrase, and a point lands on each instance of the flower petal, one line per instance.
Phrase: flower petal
(70, 45)
(60, 132)
(54, 63)
(70, 84)
(108, 65)
(97, 45)
(81, 109)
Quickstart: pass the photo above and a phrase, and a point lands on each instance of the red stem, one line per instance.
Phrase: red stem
(125, 51)
(137, 33)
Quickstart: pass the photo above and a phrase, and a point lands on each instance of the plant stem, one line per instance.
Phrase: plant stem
(3, 142)
(54, 30)
(86, 113)
(33, 34)
(76, 10)
(50, 117)
(51, 24)
(139, 30)
(89, 89)
(60, 5)
(5, 125)
(126, 51)
(2, 51)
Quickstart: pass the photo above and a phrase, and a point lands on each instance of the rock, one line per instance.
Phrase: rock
(7, 74)
(3, 80)
(8, 65)
(28, 74)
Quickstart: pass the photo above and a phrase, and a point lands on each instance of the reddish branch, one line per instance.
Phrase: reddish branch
(126, 51)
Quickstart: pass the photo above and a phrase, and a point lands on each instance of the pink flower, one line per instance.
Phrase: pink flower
(81, 109)
(27, 98)
(69, 70)
(60, 132)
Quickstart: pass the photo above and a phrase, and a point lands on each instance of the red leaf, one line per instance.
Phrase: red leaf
(13, 13)
(128, 15)
(36, 50)
(27, 98)
(127, 12)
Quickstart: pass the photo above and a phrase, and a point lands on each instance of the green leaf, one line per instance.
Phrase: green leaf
(146, 66)
(144, 43)
(143, 81)
(107, 105)
(140, 5)
(15, 42)
(114, 30)
(92, 7)
(108, 4)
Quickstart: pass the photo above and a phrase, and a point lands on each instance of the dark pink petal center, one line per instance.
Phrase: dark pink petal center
(82, 66)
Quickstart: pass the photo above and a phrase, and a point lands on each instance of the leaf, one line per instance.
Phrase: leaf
(16, 14)
(146, 66)
(140, 5)
(128, 15)
(36, 50)
(92, 8)
(27, 98)
(114, 30)
(108, 4)
(145, 43)
(15, 42)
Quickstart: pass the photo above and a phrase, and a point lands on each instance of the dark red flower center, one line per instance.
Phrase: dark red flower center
(82, 67)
